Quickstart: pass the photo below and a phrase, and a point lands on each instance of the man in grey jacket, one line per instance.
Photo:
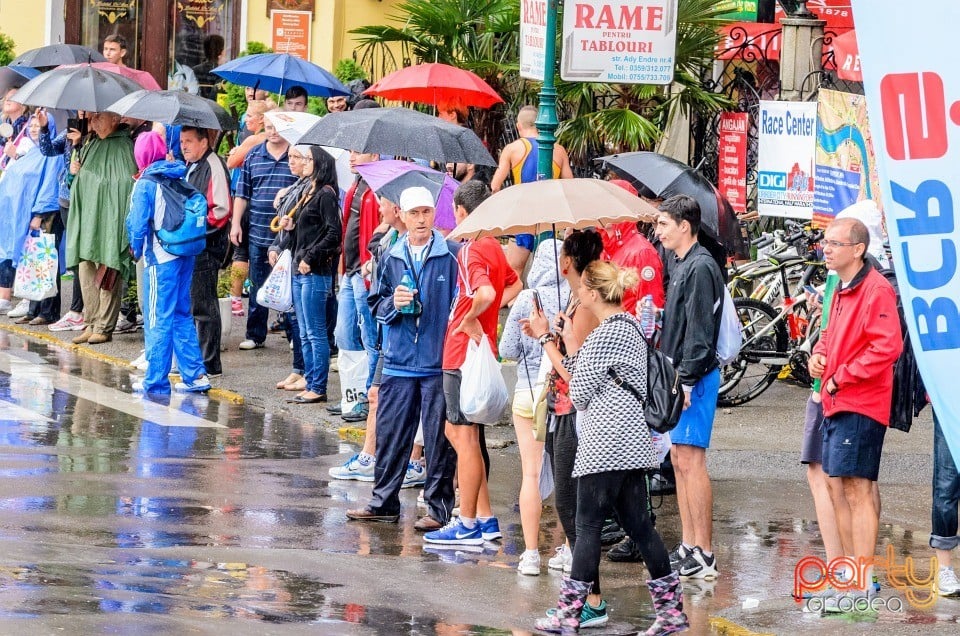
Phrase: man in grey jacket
(691, 321)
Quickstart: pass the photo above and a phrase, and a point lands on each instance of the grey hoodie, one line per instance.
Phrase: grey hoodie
(543, 277)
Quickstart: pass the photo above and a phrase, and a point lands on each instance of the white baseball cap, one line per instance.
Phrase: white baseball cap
(416, 197)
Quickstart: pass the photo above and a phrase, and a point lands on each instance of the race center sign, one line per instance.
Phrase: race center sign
(619, 41)
(785, 178)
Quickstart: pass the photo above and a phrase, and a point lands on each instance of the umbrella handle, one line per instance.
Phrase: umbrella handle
(275, 223)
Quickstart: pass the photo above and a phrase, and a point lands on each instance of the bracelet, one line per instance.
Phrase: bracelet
(545, 338)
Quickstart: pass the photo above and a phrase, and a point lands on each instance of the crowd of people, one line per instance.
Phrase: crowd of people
(376, 277)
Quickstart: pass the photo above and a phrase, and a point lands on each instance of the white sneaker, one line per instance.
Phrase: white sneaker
(5, 306)
(140, 362)
(562, 560)
(71, 321)
(947, 583)
(137, 386)
(529, 563)
(697, 565)
(200, 385)
(21, 310)
(353, 470)
(248, 345)
(416, 475)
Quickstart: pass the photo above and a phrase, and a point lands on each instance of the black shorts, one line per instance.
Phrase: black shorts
(378, 371)
(852, 444)
(451, 393)
(241, 253)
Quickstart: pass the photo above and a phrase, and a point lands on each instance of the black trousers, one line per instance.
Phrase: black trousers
(598, 495)
(561, 445)
(206, 309)
(49, 308)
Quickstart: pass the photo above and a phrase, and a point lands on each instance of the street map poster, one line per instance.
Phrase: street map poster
(732, 162)
(533, 38)
(846, 167)
(786, 146)
(619, 41)
(912, 94)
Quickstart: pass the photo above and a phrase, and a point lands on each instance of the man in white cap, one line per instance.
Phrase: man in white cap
(411, 299)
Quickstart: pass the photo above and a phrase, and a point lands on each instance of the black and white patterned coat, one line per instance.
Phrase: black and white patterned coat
(613, 434)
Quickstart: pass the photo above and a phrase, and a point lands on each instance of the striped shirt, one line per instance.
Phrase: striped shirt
(261, 177)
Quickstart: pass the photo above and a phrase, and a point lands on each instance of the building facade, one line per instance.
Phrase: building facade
(161, 31)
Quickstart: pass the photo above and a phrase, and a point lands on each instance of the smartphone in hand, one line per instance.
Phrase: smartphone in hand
(536, 301)
(810, 289)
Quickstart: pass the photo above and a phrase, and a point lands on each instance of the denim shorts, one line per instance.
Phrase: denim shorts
(696, 423)
(852, 444)
(812, 450)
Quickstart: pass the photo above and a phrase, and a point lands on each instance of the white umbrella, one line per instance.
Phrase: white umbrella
(292, 126)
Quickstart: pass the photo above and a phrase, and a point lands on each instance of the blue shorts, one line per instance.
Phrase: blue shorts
(852, 444)
(526, 241)
(696, 423)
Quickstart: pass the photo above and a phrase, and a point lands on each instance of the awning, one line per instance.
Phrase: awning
(752, 40)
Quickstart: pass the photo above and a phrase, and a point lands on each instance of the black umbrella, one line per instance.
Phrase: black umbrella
(77, 88)
(56, 55)
(174, 107)
(666, 177)
(400, 132)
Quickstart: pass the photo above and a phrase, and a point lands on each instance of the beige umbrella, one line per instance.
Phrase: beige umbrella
(553, 204)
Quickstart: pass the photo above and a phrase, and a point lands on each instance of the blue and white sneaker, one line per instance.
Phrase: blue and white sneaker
(200, 385)
(354, 469)
(490, 529)
(416, 475)
(455, 533)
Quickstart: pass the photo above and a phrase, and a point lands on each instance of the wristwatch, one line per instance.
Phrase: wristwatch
(545, 338)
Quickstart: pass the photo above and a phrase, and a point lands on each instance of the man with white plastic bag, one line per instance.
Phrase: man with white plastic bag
(411, 299)
(486, 282)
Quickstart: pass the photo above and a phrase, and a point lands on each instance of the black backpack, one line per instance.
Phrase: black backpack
(909, 393)
(664, 403)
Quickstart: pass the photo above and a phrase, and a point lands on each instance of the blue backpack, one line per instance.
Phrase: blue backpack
(184, 228)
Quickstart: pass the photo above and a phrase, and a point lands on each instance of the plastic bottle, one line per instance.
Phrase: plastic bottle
(410, 283)
(648, 316)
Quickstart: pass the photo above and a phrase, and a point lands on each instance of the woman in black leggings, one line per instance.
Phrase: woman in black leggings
(614, 451)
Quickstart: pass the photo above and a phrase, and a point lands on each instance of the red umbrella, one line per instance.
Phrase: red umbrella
(847, 55)
(435, 84)
(142, 78)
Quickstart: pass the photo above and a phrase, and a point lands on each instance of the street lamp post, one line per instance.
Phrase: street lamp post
(547, 121)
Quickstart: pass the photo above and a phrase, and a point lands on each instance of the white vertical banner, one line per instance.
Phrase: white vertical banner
(533, 38)
(786, 149)
(619, 41)
(913, 100)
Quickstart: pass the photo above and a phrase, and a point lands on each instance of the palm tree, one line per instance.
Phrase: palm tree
(483, 36)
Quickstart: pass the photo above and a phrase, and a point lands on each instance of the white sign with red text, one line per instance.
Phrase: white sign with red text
(533, 38)
(619, 41)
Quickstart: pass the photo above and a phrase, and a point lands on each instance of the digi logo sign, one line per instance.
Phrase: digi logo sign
(773, 180)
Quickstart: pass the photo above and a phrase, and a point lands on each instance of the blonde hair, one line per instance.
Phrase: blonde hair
(610, 281)
(527, 117)
(260, 106)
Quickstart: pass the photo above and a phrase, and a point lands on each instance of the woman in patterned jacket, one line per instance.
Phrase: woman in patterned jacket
(614, 451)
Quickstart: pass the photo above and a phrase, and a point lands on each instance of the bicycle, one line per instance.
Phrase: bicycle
(768, 279)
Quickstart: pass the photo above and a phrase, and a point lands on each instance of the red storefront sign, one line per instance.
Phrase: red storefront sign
(732, 167)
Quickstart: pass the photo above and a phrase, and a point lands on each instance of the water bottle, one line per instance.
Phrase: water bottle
(648, 316)
(410, 283)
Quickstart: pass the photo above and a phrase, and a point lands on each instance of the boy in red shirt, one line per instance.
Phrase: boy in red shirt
(486, 283)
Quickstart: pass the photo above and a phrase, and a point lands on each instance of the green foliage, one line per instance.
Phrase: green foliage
(7, 49)
(347, 70)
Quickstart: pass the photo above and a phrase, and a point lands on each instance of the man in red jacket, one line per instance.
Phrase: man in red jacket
(855, 358)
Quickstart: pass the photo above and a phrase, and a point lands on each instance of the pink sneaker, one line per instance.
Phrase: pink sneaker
(71, 321)
(236, 306)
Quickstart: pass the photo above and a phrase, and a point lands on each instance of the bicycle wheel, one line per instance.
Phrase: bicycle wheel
(762, 356)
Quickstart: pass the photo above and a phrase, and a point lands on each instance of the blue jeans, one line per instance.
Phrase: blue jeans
(259, 271)
(946, 493)
(356, 329)
(311, 292)
(7, 273)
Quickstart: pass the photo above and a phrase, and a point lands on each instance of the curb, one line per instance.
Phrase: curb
(727, 627)
(221, 394)
(352, 433)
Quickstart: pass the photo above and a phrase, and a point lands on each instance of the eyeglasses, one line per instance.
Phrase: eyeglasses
(829, 243)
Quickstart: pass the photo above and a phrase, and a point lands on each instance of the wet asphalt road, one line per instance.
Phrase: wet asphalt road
(200, 516)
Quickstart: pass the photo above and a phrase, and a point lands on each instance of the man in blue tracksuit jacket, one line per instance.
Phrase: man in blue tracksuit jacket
(167, 319)
(412, 389)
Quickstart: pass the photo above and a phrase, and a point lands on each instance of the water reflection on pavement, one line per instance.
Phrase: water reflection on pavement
(209, 516)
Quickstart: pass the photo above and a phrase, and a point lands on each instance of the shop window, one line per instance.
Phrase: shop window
(203, 39)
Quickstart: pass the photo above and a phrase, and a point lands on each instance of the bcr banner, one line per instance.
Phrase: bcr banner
(846, 170)
(912, 96)
(619, 41)
(732, 172)
(786, 146)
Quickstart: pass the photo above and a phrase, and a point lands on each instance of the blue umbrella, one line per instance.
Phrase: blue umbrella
(277, 72)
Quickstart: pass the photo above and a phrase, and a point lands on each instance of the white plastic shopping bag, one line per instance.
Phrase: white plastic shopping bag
(483, 392)
(38, 269)
(730, 337)
(277, 291)
(353, 369)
